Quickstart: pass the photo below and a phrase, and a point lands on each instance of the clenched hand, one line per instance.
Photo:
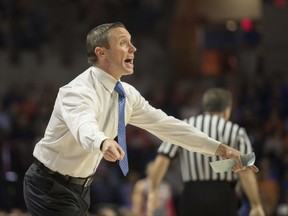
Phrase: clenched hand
(112, 150)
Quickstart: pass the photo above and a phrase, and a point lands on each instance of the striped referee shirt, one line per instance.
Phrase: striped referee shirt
(195, 166)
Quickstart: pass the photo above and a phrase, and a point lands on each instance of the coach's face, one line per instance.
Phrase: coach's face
(119, 57)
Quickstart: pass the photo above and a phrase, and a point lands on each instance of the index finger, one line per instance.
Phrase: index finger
(235, 157)
(121, 152)
(254, 168)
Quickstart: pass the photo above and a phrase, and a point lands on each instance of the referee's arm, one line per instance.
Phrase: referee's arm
(160, 167)
(249, 184)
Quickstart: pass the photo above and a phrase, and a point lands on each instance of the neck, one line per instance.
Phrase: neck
(108, 70)
(225, 114)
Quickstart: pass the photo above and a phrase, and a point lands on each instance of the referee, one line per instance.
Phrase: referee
(205, 192)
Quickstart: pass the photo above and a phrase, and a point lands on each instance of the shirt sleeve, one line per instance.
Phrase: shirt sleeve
(79, 112)
(168, 128)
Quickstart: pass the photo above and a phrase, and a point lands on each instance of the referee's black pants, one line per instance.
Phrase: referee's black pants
(208, 198)
(45, 196)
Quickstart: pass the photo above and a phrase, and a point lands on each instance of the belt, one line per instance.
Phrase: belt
(85, 182)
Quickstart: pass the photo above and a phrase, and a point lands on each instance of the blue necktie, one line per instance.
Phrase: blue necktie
(121, 127)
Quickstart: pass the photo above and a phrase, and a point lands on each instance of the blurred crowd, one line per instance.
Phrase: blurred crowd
(30, 24)
(260, 104)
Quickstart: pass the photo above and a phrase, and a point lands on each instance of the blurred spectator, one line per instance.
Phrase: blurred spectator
(164, 205)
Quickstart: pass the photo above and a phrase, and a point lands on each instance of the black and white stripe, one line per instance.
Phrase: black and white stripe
(196, 166)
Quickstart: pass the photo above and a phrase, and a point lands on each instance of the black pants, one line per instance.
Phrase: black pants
(45, 196)
(207, 198)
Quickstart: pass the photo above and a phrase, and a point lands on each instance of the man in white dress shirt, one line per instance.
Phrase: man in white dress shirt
(84, 123)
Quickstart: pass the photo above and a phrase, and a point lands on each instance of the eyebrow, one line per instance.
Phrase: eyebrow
(121, 36)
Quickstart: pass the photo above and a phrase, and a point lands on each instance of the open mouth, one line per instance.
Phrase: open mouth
(129, 61)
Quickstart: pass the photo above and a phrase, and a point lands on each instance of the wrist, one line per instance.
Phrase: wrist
(102, 144)
(221, 150)
(255, 204)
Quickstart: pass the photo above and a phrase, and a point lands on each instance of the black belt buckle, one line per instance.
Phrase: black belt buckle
(88, 181)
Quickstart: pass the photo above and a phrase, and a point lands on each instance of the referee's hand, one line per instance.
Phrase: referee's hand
(112, 150)
(226, 152)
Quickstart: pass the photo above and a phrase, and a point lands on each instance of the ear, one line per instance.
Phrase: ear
(227, 113)
(99, 52)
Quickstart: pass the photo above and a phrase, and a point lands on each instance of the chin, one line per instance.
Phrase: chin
(128, 72)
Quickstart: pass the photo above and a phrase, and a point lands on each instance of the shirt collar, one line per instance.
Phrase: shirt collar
(106, 79)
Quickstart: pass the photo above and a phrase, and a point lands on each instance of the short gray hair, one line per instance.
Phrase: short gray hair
(99, 37)
(216, 100)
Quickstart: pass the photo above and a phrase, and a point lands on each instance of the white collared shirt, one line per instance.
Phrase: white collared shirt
(86, 113)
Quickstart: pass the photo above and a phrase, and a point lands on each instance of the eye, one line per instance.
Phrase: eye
(123, 43)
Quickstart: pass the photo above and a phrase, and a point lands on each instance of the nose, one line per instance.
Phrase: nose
(132, 48)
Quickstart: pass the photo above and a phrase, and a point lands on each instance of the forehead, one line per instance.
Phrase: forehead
(118, 33)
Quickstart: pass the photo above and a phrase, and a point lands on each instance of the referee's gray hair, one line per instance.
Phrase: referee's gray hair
(99, 37)
(216, 100)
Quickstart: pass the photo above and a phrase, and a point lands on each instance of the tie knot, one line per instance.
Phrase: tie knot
(119, 89)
